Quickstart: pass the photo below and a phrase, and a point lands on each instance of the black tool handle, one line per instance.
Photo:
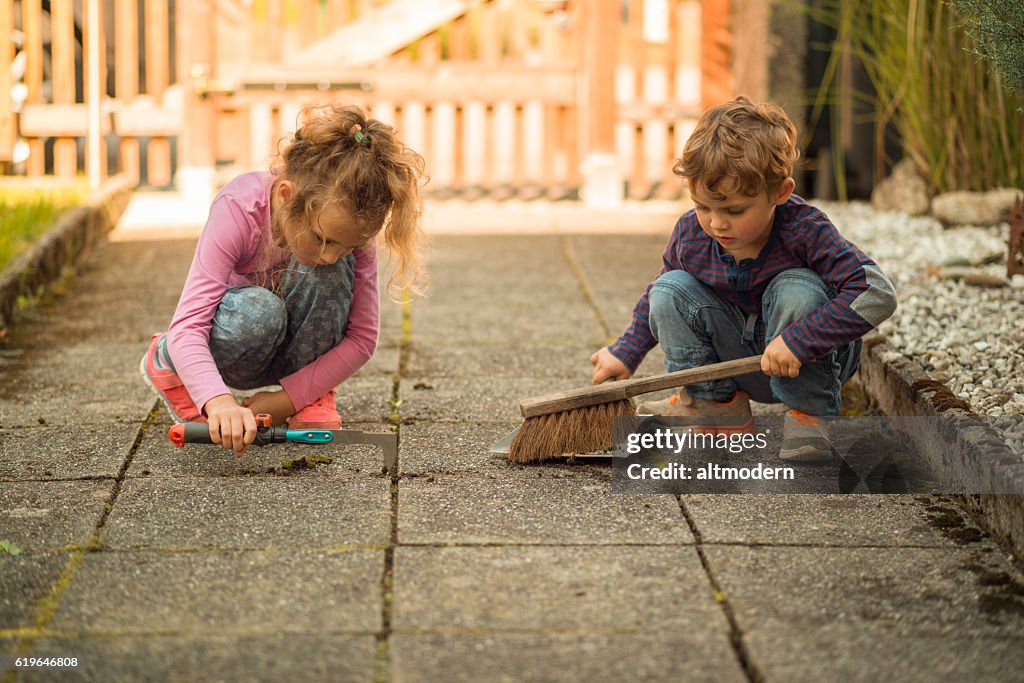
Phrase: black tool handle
(199, 432)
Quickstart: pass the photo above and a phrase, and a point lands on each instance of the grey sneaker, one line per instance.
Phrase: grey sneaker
(732, 416)
(805, 438)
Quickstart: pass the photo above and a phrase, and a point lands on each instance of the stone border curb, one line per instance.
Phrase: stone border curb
(70, 239)
(959, 447)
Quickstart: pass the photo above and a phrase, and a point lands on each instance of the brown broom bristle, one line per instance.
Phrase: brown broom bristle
(582, 430)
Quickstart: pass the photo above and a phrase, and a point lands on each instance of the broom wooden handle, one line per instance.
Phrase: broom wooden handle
(618, 391)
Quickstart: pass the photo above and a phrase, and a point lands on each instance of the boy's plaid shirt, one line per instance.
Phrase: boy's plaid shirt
(802, 236)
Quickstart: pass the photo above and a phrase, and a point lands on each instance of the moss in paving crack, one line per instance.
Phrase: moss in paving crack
(946, 519)
(966, 535)
(953, 525)
(306, 462)
(1001, 604)
(49, 602)
(987, 578)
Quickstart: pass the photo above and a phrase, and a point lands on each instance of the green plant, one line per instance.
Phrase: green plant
(28, 212)
(997, 27)
(957, 120)
(7, 547)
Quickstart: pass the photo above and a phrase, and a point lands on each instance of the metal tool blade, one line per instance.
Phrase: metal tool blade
(386, 441)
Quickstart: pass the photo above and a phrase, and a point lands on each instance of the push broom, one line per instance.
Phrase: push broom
(580, 420)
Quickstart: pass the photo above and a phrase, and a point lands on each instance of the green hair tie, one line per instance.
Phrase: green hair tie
(360, 138)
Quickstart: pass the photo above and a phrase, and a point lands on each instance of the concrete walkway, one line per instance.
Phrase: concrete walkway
(149, 562)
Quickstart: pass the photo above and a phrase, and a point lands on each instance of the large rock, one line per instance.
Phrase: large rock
(974, 208)
(904, 190)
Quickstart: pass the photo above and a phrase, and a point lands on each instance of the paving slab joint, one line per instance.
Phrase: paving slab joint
(577, 271)
(743, 656)
(382, 662)
(47, 606)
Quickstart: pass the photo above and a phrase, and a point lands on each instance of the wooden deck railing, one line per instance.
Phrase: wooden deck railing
(493, 93)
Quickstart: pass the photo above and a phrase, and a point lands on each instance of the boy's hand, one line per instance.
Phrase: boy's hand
(607, 366)
(231, 425)
(778, 360)
(277, 404)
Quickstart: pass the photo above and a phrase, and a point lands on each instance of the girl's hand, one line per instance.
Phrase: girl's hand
(607, 366)
(778, 360)
(275, 403)
(231, 425)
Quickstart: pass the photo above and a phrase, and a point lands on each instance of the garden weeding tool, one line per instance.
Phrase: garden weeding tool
(199, 432)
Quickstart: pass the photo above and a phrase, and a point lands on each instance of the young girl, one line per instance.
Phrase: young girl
(283, 286)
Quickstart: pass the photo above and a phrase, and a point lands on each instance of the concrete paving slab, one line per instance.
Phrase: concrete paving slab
(482, 399)
(433, 359)
(65, 451)
(391, 313)
(157, 456)
(451, 447)
(43, 515)
(545, 610)
(70, 406)
(511, 288)
(617, 270)
(317, 509)
(526, 323)
(841, 520)
(366, 399)
(480, 285)
(683, 655)
(921, 591)
(554, 588)
(843, 653)
(326, 657)
(76, 384)
(383, 364)
(95, 307)
(473, 264)
(224, 593)
(25, 579)
(532, 506)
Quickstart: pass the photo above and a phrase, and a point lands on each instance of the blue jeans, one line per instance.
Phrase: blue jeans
(259, 336)
(695, 327)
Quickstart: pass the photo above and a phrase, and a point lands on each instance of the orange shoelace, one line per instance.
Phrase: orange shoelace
(805, 419)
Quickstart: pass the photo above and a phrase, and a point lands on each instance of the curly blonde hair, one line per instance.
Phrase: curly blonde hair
(338, 154)
(739, 146)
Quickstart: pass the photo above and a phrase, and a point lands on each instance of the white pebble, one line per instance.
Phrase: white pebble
(972, 338)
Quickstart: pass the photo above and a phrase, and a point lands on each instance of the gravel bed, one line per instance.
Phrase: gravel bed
(967, 336)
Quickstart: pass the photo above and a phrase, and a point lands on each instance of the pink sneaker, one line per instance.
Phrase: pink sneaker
(168, 387)
(320, 414)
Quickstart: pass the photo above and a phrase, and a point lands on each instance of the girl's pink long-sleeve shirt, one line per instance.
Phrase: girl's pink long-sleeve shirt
(232, 250)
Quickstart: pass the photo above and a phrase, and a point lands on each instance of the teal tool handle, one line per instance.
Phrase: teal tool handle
(309, 435)
(199, 432)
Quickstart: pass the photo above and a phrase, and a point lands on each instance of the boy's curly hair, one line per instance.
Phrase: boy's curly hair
(739, 146)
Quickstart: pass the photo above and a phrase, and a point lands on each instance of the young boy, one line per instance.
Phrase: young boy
(754, 269)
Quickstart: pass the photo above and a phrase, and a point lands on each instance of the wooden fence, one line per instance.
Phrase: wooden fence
(497, 95)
